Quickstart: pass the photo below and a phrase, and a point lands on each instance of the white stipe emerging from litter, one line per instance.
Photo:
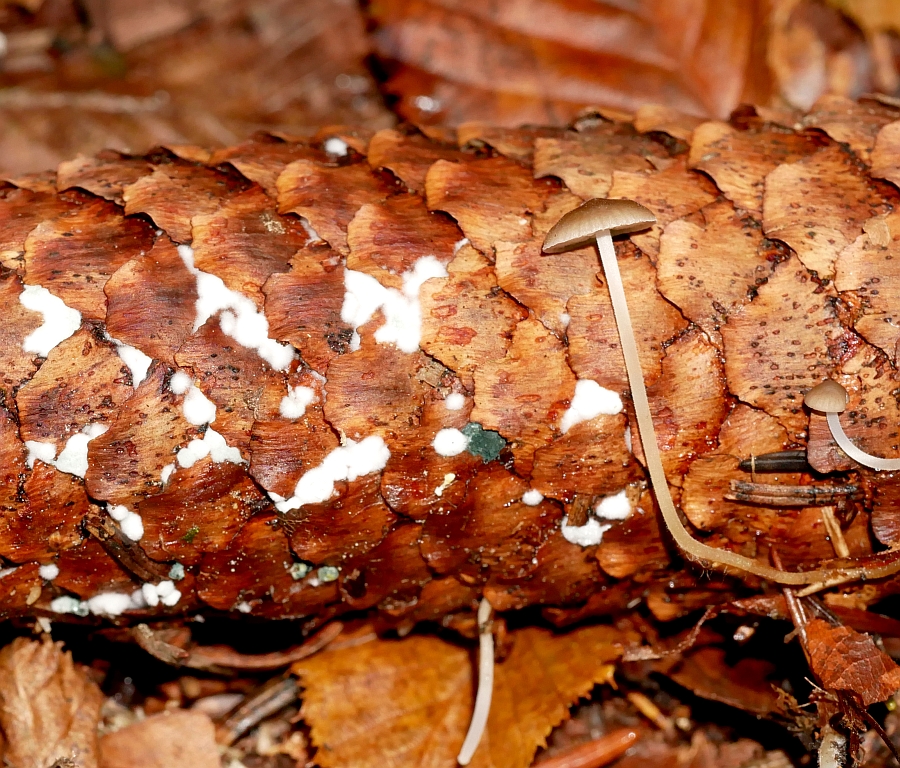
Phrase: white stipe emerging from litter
(346, 462)
(615, 507)
(130, 522)
(239, 318)
(73, 458)
(402, 312)
(293, 405)
(485, 685)
(450, 442)
(60, 321)
(589, 401)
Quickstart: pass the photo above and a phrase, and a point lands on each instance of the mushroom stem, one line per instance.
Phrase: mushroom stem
(857, 454)
(485, 684)
(709, 556)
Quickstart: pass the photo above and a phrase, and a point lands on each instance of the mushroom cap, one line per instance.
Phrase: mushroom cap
(598, 215)
(827, 397)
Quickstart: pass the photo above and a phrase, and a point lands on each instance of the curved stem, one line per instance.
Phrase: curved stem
(709, 556)
(857, 454)
(485, 685)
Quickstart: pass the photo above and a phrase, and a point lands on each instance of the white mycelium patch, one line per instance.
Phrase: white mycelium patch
(46, 452)
(346, 462)
(239, 318)
(137, 362)
(615, 507)
(212, 445)
(455, 401)
(458, 245)
(450, 442)
(586, 535)
(60, 321)
(116, 603)
(198, 410)
(590, 400)
(74, 456)
(532, 497)
(49, 572)
(180, 382)
(336, 146)
(130, 522)
(402, 311)
(293, 405)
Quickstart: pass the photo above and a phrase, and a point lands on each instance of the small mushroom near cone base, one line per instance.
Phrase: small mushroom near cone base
(602, 219)
(830, 398)
(591, 220)
(827, 397)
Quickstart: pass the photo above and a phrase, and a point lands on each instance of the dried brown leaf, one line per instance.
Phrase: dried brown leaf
(846, 660)
(177, 738)
(424, 690)
(49, 709)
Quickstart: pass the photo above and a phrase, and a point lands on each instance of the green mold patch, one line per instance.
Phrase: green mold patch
(482, 442)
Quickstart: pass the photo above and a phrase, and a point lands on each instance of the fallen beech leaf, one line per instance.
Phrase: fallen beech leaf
(179, 738)
(846, 660)
(49, 709)
(424, 693)
(706, 672)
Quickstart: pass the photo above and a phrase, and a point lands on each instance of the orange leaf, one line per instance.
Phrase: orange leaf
(846, 660)
(411, 701)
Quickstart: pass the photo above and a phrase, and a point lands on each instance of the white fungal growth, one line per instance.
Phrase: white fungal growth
(587, 535)
(293, 405)
(74, 456)
(138, 363)
(455, 401)
(49, 571)
(336, 146)
(615, 507)
(166, 473)
(589, 401)
(37, 449)
(130, 522)
(485, 685)
(197, 408)
(447, 482)
(239, 317)
(60, 321)
(450, 442)
(164, 592)
(402, 312)
(346, 462)
(212, 445)
(532, 497)
(180, 382)
(459, 244)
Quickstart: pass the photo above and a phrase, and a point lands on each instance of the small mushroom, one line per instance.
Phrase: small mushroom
(830, 398)
(601, 219)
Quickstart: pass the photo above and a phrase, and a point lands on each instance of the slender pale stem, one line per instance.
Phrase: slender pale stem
(709, 556)
(858, 455)
(485, 685)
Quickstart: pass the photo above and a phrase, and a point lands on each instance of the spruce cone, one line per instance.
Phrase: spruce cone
(299, 378)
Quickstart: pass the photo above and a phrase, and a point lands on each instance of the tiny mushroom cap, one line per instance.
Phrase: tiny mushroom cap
(827, 397)
(594, 217)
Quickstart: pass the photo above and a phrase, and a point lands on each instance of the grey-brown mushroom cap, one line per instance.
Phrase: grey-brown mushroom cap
(581, 226)
(827, 397)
